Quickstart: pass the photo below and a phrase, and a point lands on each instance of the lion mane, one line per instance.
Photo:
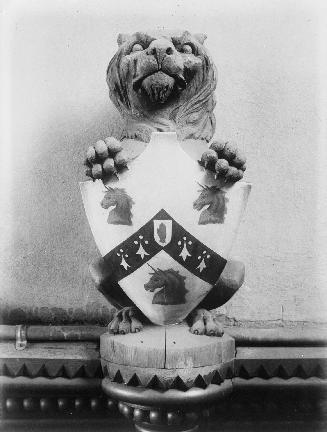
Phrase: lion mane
(163, 82)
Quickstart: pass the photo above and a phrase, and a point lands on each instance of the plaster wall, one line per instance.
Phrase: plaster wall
(270, 59)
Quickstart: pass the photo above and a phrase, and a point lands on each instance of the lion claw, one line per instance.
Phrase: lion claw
(225, 160)
(204, 323)
(124, 322)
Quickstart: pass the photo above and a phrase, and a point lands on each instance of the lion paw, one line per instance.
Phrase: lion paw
(104, 159)
(225, 160)
(125, 322)
(204, 323)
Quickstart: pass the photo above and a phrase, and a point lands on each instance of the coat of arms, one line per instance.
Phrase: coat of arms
(166, 242)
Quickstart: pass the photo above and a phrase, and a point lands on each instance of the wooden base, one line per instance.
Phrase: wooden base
(165, 377)
(165, 357)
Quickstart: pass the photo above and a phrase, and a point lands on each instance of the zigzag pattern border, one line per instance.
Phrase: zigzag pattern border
(92, 369)
(50, 368)
(247, 370)
(154, 382)
(284, 369)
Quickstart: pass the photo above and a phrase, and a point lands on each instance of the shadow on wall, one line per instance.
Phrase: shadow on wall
(47, 259)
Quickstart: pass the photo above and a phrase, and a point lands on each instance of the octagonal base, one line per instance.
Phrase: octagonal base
(165, 378)
(167, 357)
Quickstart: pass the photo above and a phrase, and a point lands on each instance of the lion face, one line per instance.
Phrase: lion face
(162, 67)
(156, 78)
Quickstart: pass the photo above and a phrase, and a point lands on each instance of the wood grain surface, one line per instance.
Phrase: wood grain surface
(169, 347)
(144, 349)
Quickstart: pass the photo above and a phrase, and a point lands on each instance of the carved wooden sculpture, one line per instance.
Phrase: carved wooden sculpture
(165, 83)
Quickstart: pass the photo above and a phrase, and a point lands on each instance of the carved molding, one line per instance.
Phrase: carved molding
(65, 360)
(148, 377)
(282, 362)
(286, 380)
(24, 397)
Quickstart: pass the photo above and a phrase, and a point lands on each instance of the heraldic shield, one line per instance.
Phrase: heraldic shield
(166, 228)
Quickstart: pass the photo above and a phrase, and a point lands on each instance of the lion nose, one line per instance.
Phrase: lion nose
(160, 48)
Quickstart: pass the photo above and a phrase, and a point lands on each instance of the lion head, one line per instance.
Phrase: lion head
(163, 82)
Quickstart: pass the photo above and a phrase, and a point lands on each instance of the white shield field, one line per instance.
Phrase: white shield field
(166, 227)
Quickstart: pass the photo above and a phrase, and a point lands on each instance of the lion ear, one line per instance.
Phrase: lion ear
(122, 38)
(200, 37)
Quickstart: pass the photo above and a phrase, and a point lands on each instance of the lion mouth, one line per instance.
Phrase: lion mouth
(159, 86)
(179, 79)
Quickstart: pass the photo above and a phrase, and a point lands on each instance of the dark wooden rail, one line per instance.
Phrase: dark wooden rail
(279, 336)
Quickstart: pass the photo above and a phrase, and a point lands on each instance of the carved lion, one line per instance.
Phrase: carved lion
(164, 82)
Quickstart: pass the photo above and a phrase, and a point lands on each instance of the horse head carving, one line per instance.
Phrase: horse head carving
(216, 200)
(121, 214)
(172, 286)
